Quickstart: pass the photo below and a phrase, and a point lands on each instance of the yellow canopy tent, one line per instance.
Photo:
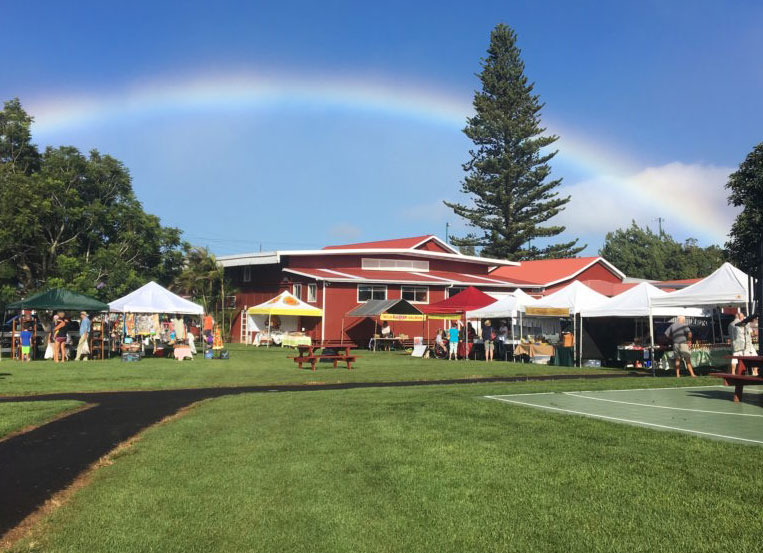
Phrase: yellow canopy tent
(284, 304)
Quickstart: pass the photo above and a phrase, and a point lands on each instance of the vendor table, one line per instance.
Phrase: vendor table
(534, 350)
(718, 357)
(182, 351)
(293, 340)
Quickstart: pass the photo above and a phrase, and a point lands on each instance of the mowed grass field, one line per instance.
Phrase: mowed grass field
(248, 366)
(436, 468)
(17, 416)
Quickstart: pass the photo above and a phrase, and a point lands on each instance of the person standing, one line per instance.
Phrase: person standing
(84, 334)
(59, 339)
(488, 337)
(26, 343)
(741, 340)
(680, 334)
(453, 342)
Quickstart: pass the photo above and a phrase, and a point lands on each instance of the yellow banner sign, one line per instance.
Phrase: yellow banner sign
(547, 311)
(394, 317)
(445, 317)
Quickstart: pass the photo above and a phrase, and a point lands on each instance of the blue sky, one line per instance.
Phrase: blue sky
(300, 124)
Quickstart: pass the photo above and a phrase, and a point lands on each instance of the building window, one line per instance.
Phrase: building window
(371, 292)
(297, 291)
(381, 264)
(453, 290)
(415, 294)
(247, 274)
(312, 293)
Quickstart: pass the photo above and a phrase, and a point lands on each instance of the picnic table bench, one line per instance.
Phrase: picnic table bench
(738, 379)
(307, 354)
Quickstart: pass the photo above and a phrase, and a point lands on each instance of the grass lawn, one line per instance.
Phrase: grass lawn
(15, 416)
(417, 469)
(247, 366)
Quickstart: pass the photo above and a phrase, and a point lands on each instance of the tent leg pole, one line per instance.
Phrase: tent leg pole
(651, 342)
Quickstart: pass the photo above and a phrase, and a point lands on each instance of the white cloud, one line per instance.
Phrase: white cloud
(690, 198)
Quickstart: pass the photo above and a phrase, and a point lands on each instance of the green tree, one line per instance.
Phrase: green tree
(509, 166)
(746, 191)
(17, 152)
(73, 220)
(641, 253)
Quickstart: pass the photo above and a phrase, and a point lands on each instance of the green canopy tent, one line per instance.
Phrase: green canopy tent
(58, 298)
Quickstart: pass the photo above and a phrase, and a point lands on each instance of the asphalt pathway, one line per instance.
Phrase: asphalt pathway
(37, 464)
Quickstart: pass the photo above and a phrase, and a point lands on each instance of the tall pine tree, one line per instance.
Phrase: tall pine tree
(506, 176)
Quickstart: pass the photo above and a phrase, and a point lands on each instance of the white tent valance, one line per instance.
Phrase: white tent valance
(726, 286)
(153, 298)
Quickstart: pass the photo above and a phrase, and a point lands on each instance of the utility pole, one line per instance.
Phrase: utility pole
(447, 238)
(659, 224)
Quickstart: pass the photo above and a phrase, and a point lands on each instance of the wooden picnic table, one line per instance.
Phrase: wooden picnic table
(739, 379)
(307, 354)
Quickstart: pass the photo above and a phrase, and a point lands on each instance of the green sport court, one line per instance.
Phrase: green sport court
(706, 411)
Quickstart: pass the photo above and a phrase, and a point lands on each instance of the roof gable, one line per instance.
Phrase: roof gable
(546, 272)
(429, 243)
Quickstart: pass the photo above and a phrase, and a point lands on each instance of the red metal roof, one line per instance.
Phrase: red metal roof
(548, 271)
(608, 288)
(397, 243)
(434, 278)
(466, 300)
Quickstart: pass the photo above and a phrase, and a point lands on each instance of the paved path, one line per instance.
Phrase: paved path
(37, 464)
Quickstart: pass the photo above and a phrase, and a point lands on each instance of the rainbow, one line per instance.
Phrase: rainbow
(246, 92)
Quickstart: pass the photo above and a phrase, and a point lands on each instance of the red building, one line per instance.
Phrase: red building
(337, 279)
(421, 269)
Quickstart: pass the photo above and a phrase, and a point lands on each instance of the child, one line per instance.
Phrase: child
(26, 343)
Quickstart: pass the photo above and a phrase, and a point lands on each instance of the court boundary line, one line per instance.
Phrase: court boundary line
(637, 423)
(622, 390)
(576, 394)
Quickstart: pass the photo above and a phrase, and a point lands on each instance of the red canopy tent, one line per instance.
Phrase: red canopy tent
(466, 300)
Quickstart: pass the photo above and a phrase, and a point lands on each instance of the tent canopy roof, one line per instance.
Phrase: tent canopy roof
(726, 286)
(635, 303)
(576, 297)
(59, 298)
(505, 306)
(469, 299)
(153, 298)
(373, 308)
(285, 304)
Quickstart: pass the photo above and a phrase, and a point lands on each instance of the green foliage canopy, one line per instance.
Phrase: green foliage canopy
(640, 253)
(70, 220)
(509, 165)
(746, 191)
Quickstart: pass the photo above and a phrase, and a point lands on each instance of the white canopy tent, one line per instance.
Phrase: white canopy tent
(726, 286)
(154, 298)
(507, 306)
(635, 302)
(577, 297)
(283, 305)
